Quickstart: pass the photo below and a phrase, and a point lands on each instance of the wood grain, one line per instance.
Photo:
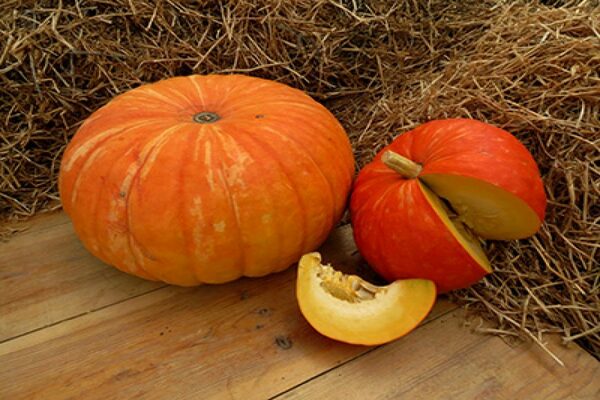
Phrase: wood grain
(46, 276)
(242, 340)
(236, 343)
(444, 360)
(112, 336)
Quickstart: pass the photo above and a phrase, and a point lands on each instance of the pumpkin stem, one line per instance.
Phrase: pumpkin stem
(402, 165)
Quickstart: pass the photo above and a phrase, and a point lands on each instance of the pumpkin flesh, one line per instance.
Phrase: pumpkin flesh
(491, 212)
(349, 309)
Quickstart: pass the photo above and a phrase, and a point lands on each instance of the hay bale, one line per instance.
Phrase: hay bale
(382, 68)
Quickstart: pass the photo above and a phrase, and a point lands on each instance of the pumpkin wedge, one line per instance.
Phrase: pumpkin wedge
(349, 309)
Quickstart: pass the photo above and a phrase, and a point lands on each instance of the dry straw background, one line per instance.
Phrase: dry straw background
(382, 67)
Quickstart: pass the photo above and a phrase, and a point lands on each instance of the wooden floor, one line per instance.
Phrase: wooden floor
(72, 327)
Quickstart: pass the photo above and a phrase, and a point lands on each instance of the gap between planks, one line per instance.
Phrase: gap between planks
(444, 360)
(82, 314)
(355, 358)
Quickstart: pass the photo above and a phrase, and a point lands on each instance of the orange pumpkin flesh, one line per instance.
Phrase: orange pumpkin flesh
(204, 179)
(351, 310)
(419, 208)
(491, 212)
(458, 229)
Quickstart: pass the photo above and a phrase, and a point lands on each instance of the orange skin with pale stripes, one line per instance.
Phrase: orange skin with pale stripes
(163, 197)
(395, 227)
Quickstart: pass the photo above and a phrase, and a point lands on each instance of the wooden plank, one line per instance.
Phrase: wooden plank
(47, 276)
(187, 343)
(244, 340)
(444, 360)
(35, 224)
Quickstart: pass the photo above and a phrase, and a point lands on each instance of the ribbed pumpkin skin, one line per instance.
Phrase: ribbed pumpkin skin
(163, 197)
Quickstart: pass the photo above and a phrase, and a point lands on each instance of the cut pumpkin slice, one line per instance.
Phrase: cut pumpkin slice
(351, 310)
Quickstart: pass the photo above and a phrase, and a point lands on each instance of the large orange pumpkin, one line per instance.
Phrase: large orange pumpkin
(204, 179)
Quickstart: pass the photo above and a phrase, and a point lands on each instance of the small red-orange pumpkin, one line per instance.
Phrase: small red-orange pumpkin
(402, 226)
(204, 179)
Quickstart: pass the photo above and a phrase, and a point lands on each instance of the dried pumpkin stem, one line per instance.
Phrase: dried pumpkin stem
(402, 165)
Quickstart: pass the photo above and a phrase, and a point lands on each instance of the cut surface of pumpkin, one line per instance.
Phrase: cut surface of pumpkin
(491, 212)
(459, 229)
(349, 309)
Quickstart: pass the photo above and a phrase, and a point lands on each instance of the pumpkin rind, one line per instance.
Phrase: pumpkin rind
(162, 196)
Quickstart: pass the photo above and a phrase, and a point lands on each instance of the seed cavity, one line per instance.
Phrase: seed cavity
(350, 288)
(457, 213)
